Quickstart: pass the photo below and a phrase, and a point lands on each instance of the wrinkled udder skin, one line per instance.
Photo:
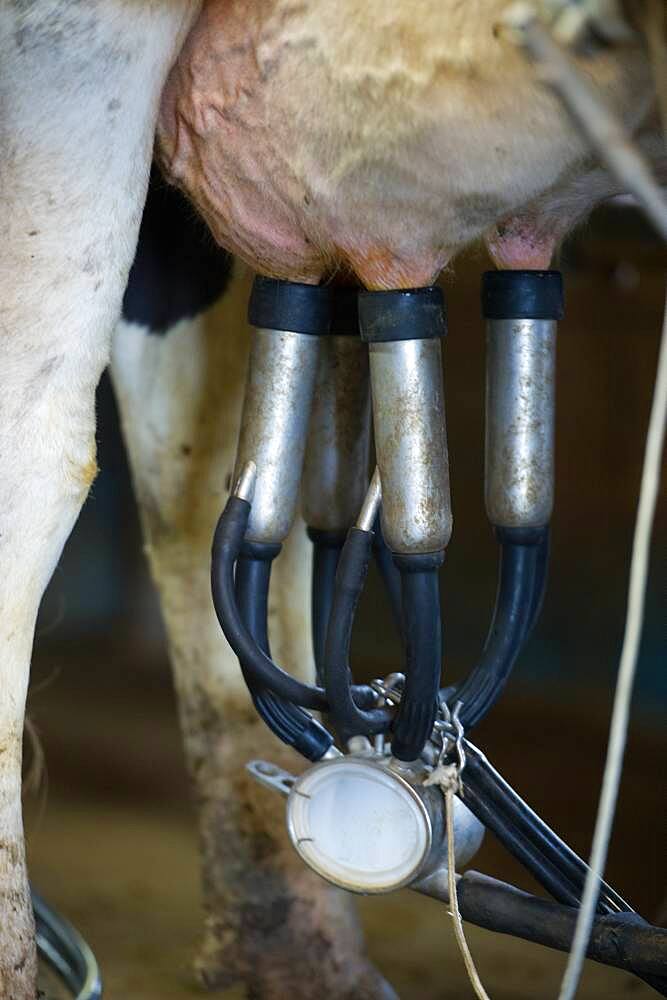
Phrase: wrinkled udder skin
(365, 136)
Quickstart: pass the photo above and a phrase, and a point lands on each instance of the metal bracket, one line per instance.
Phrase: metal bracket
(271, 776)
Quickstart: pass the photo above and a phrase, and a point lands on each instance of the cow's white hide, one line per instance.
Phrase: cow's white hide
(79, 90)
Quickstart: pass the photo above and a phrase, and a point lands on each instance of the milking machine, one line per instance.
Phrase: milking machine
(368, 815)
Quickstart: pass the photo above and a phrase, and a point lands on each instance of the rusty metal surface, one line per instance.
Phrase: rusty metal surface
(279, 393)
(411, 444)
(335, 474)
(520, 412)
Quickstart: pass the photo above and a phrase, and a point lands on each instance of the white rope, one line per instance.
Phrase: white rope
(639, 566)
(447, 777)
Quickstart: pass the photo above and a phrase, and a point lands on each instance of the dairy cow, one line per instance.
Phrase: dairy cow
(312, 138)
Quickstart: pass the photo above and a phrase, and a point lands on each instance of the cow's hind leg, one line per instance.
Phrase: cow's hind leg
(75, 143)
(271, 924)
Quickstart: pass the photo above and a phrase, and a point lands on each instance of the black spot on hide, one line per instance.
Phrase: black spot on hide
(178, 271)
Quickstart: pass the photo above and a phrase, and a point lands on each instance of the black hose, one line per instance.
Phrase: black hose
(227, 543)
(420, 599)
(521, 847)
(421, 627)
(504, 798)
(349, 719)
(252, 578)
(541, 578)
(251, 586)
(391, 577)
(555, 866)
(327, 547)
(262, 671)
(621, 940)
(518, 599)
(292, 725)
(527, 836)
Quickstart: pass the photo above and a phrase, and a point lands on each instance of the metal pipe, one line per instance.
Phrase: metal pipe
(403, 330)
(522, 309)
(411, 445)
(335, 471)
(520, 409)
(276, 409)
(288, 317)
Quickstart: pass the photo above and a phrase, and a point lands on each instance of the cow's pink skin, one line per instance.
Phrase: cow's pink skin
(377, 138)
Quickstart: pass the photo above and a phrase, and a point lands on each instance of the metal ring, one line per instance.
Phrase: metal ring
(66, 952)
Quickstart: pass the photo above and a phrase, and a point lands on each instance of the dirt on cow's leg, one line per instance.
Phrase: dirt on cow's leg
(270, 924)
